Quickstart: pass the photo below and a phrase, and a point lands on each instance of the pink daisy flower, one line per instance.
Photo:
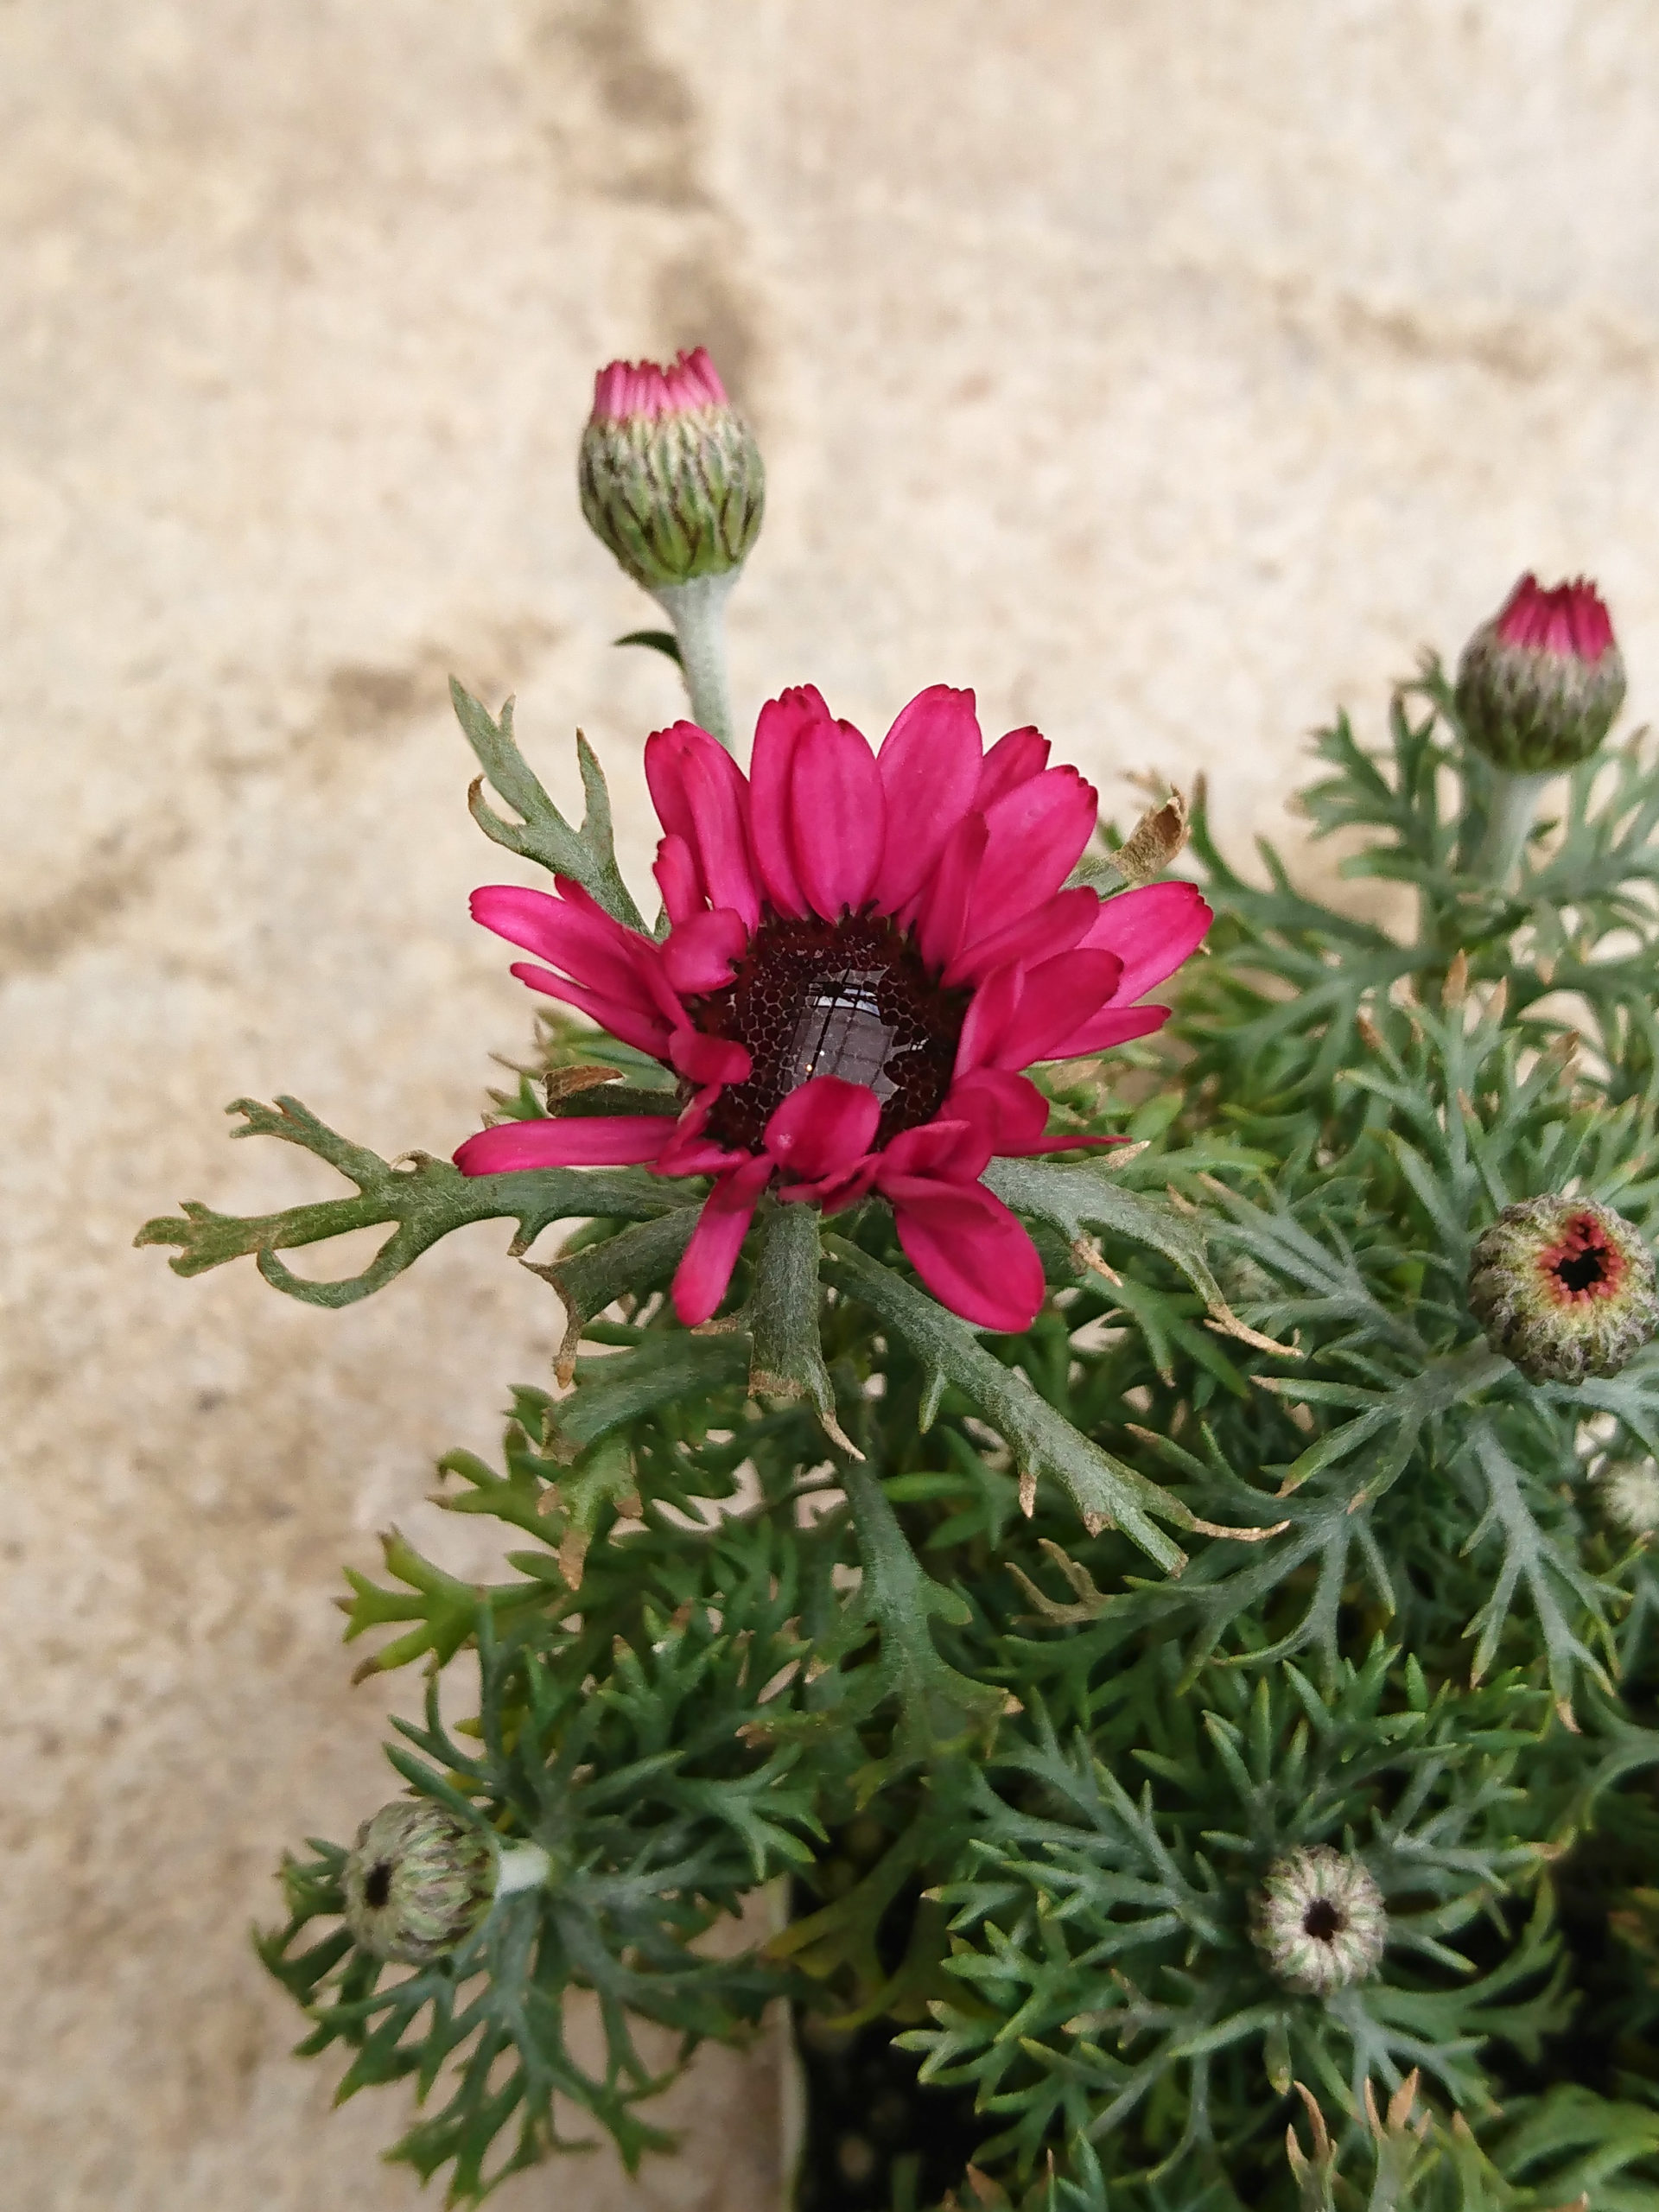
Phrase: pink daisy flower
(865, 951)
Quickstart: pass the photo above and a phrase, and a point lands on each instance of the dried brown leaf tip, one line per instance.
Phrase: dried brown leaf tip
(1156, 839)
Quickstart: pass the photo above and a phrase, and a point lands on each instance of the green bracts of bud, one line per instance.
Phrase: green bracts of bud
(671, 479)
(1539, 685)
(1565, 1287)
(417, 1882)
(1318, 1921)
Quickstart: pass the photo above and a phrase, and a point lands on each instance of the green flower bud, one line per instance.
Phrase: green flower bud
(1318, 1921)
(1564, 1288)
(671, 479)
(1629, 1491)
(417, 1882)
(1539, 685)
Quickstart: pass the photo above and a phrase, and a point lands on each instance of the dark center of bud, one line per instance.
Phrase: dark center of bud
(851, 999)
(1323, 1921)
(1584, 1264)
(376, 1885)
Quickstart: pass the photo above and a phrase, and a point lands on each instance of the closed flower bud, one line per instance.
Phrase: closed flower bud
(1564, 1288)
(1318, 1921)
(671, 479)
(417, 1882)
(1539, 685)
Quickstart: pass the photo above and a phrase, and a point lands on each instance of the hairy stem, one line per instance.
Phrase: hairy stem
(1513, 802)
(697, 610)
(521, 1866)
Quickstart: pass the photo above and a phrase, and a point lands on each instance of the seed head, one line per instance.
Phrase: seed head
(1565, 1287)
(1318, 1921)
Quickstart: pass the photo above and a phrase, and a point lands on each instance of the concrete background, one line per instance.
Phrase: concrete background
(1167, 372)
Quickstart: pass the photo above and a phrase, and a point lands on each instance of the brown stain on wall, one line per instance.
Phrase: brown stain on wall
(355, 705)
(637, 139)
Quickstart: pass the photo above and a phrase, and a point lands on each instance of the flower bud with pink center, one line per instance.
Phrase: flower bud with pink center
(671, 479)
(1538, 686)
(1565, 1287)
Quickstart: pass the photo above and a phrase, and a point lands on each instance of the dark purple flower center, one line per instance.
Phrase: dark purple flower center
(852, 998)
(1323, 1921)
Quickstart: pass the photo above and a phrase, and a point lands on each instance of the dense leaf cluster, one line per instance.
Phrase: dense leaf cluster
(1022, 1660)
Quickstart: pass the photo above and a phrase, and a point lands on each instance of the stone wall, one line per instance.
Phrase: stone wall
(1166, 371)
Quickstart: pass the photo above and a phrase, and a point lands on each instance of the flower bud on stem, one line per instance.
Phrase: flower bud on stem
(673, 483)
(1538, 687)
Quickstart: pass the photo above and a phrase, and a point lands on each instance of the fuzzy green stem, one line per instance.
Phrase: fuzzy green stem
(520, 1866)
(697, 610)
(1511, 808)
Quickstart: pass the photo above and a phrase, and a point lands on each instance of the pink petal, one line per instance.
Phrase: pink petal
(700, 1279)
(972, 1254)
(989, 1016)
(719, 800)
(1010, 1110)
(1152, 931)
(1058, 924)
(700, 1156)
(688, 1151)
(823, 1127)
(700, 953)
(598, 952)
(593, 1141)
(620, 1017)
(777, 735)
(644, 955)
(700, 796)
(675, 872)
(708, 1059)
(1012, 1113)
(1012, 760)
(943, 913)
(665, 780)
(839, 817)
(1050, 1000)
(1035, 834)
(834, 1193)
(1113, 1024)
(605, 962)
(1048, 1003)
(953, 1150)
(929, 764)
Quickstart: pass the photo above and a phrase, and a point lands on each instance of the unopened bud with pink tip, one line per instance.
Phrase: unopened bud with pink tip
(671, 479)
(673, 483)
(1538, 686)
(1565, 1287)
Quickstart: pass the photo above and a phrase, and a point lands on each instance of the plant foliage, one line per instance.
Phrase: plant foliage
(1021, 1660)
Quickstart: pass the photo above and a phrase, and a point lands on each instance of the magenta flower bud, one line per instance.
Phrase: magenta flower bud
(1565, 1287)
(1539, 685)
(671, 479)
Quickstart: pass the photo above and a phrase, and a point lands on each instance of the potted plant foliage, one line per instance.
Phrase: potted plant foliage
(1125, 1520)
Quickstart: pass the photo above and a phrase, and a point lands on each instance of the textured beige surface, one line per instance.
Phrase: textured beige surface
(1165, 369)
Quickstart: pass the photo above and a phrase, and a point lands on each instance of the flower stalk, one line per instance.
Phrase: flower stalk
(697, 610)
(1512, 805)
